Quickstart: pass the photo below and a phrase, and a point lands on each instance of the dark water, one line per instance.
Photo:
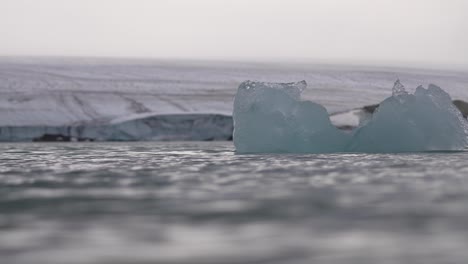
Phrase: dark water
(201, 203)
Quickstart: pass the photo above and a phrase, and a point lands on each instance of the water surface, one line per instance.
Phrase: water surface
(202, 203)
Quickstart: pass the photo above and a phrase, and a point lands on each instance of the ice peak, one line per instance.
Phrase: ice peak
(302, 85)
(398, 88)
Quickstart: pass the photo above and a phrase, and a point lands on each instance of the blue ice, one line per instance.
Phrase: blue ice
(272, 118)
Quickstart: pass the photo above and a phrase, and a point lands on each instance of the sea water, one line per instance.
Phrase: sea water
(203, 203)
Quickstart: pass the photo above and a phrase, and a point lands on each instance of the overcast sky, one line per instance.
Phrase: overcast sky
(352, 31)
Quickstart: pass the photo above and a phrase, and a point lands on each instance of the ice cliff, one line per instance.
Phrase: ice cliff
(201, 127)
(272, 118)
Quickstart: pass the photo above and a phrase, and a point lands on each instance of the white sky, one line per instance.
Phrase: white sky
(433, 32)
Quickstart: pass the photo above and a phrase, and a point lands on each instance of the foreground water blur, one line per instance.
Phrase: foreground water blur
(202, 203)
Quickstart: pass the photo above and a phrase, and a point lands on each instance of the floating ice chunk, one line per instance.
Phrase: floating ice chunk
(424, 121)
(270, 117)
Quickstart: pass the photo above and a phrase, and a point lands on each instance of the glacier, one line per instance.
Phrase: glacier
(97, 99)
(272, 118)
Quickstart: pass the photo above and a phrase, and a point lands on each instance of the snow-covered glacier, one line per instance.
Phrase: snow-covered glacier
(142, 99)
(272, 118)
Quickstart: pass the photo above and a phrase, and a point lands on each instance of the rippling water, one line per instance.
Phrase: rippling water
(202, 203)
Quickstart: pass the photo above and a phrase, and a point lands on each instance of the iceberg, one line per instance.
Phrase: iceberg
(272, 118)
(424, 121)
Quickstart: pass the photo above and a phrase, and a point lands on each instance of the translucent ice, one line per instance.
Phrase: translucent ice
(398, 89)
(424, 121)
(272, 118)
